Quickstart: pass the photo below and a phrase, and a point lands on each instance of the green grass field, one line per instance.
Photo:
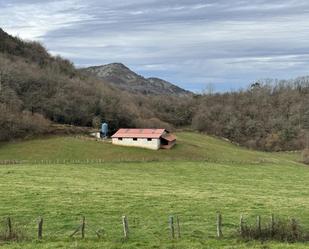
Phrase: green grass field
(200, 176)
(190, 147)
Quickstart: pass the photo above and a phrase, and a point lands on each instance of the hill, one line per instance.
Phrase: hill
(190, 147)
(32, 52)
(38, 89)
(122, 77)
(201, 176)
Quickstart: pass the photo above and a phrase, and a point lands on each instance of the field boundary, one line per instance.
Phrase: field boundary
(276, 229)
(100, 161)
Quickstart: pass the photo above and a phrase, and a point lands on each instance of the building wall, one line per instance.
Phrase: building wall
(154, 144)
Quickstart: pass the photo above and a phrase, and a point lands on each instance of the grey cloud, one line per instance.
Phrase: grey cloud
(190, 42)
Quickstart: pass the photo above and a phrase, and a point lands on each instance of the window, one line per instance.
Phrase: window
(120, 138)
(134, 139)
(149, 139)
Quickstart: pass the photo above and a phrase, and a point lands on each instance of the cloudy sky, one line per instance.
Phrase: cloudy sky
(192, 43)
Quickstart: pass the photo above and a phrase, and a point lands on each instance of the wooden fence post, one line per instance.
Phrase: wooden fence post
(241, 225)
(40, 229)
(9, 224)
(178, 227)
(258, 223)
(172, 229)
(83, 227)
(294, 228)
(219, 225)
(272, 225)
(125, 225)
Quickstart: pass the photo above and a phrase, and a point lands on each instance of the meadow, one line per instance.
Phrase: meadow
(201, 176)
(190, 147)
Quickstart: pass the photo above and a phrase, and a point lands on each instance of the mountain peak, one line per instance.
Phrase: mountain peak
(120, 76)
(115, 65)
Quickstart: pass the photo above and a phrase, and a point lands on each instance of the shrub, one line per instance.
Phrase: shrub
(14, 124)
(305, 156)
(15, 233)
(280, 230)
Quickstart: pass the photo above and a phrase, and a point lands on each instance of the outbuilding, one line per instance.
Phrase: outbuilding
(146, 138)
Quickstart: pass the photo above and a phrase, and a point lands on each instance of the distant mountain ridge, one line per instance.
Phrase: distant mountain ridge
(120, 76)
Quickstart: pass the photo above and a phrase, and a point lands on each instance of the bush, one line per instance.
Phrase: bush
(14, 233)
(305, 156)
(152, 123)
(14, 124)
(280, 230)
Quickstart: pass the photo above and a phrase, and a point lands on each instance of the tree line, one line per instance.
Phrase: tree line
(270, 115)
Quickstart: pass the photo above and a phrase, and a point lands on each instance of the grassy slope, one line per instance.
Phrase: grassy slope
(191, 146)
(149, 192)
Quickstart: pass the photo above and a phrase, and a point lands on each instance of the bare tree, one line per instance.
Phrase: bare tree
(306, 127)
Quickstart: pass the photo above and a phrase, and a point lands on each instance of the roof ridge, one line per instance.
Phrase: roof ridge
(139, 132)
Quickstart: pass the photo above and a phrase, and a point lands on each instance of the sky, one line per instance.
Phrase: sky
(193, 43)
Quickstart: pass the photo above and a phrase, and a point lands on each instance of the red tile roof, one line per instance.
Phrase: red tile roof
(139, 133)
(169, 137)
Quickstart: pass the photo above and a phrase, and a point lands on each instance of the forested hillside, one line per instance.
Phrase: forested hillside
(38, 89)
(271, 115)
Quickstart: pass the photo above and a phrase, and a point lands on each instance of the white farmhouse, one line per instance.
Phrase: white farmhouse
(146, 138)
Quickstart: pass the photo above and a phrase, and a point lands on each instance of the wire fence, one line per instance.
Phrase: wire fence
(129, 160)
(124, 228)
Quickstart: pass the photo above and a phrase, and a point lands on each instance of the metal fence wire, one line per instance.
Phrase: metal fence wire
(174, 227)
